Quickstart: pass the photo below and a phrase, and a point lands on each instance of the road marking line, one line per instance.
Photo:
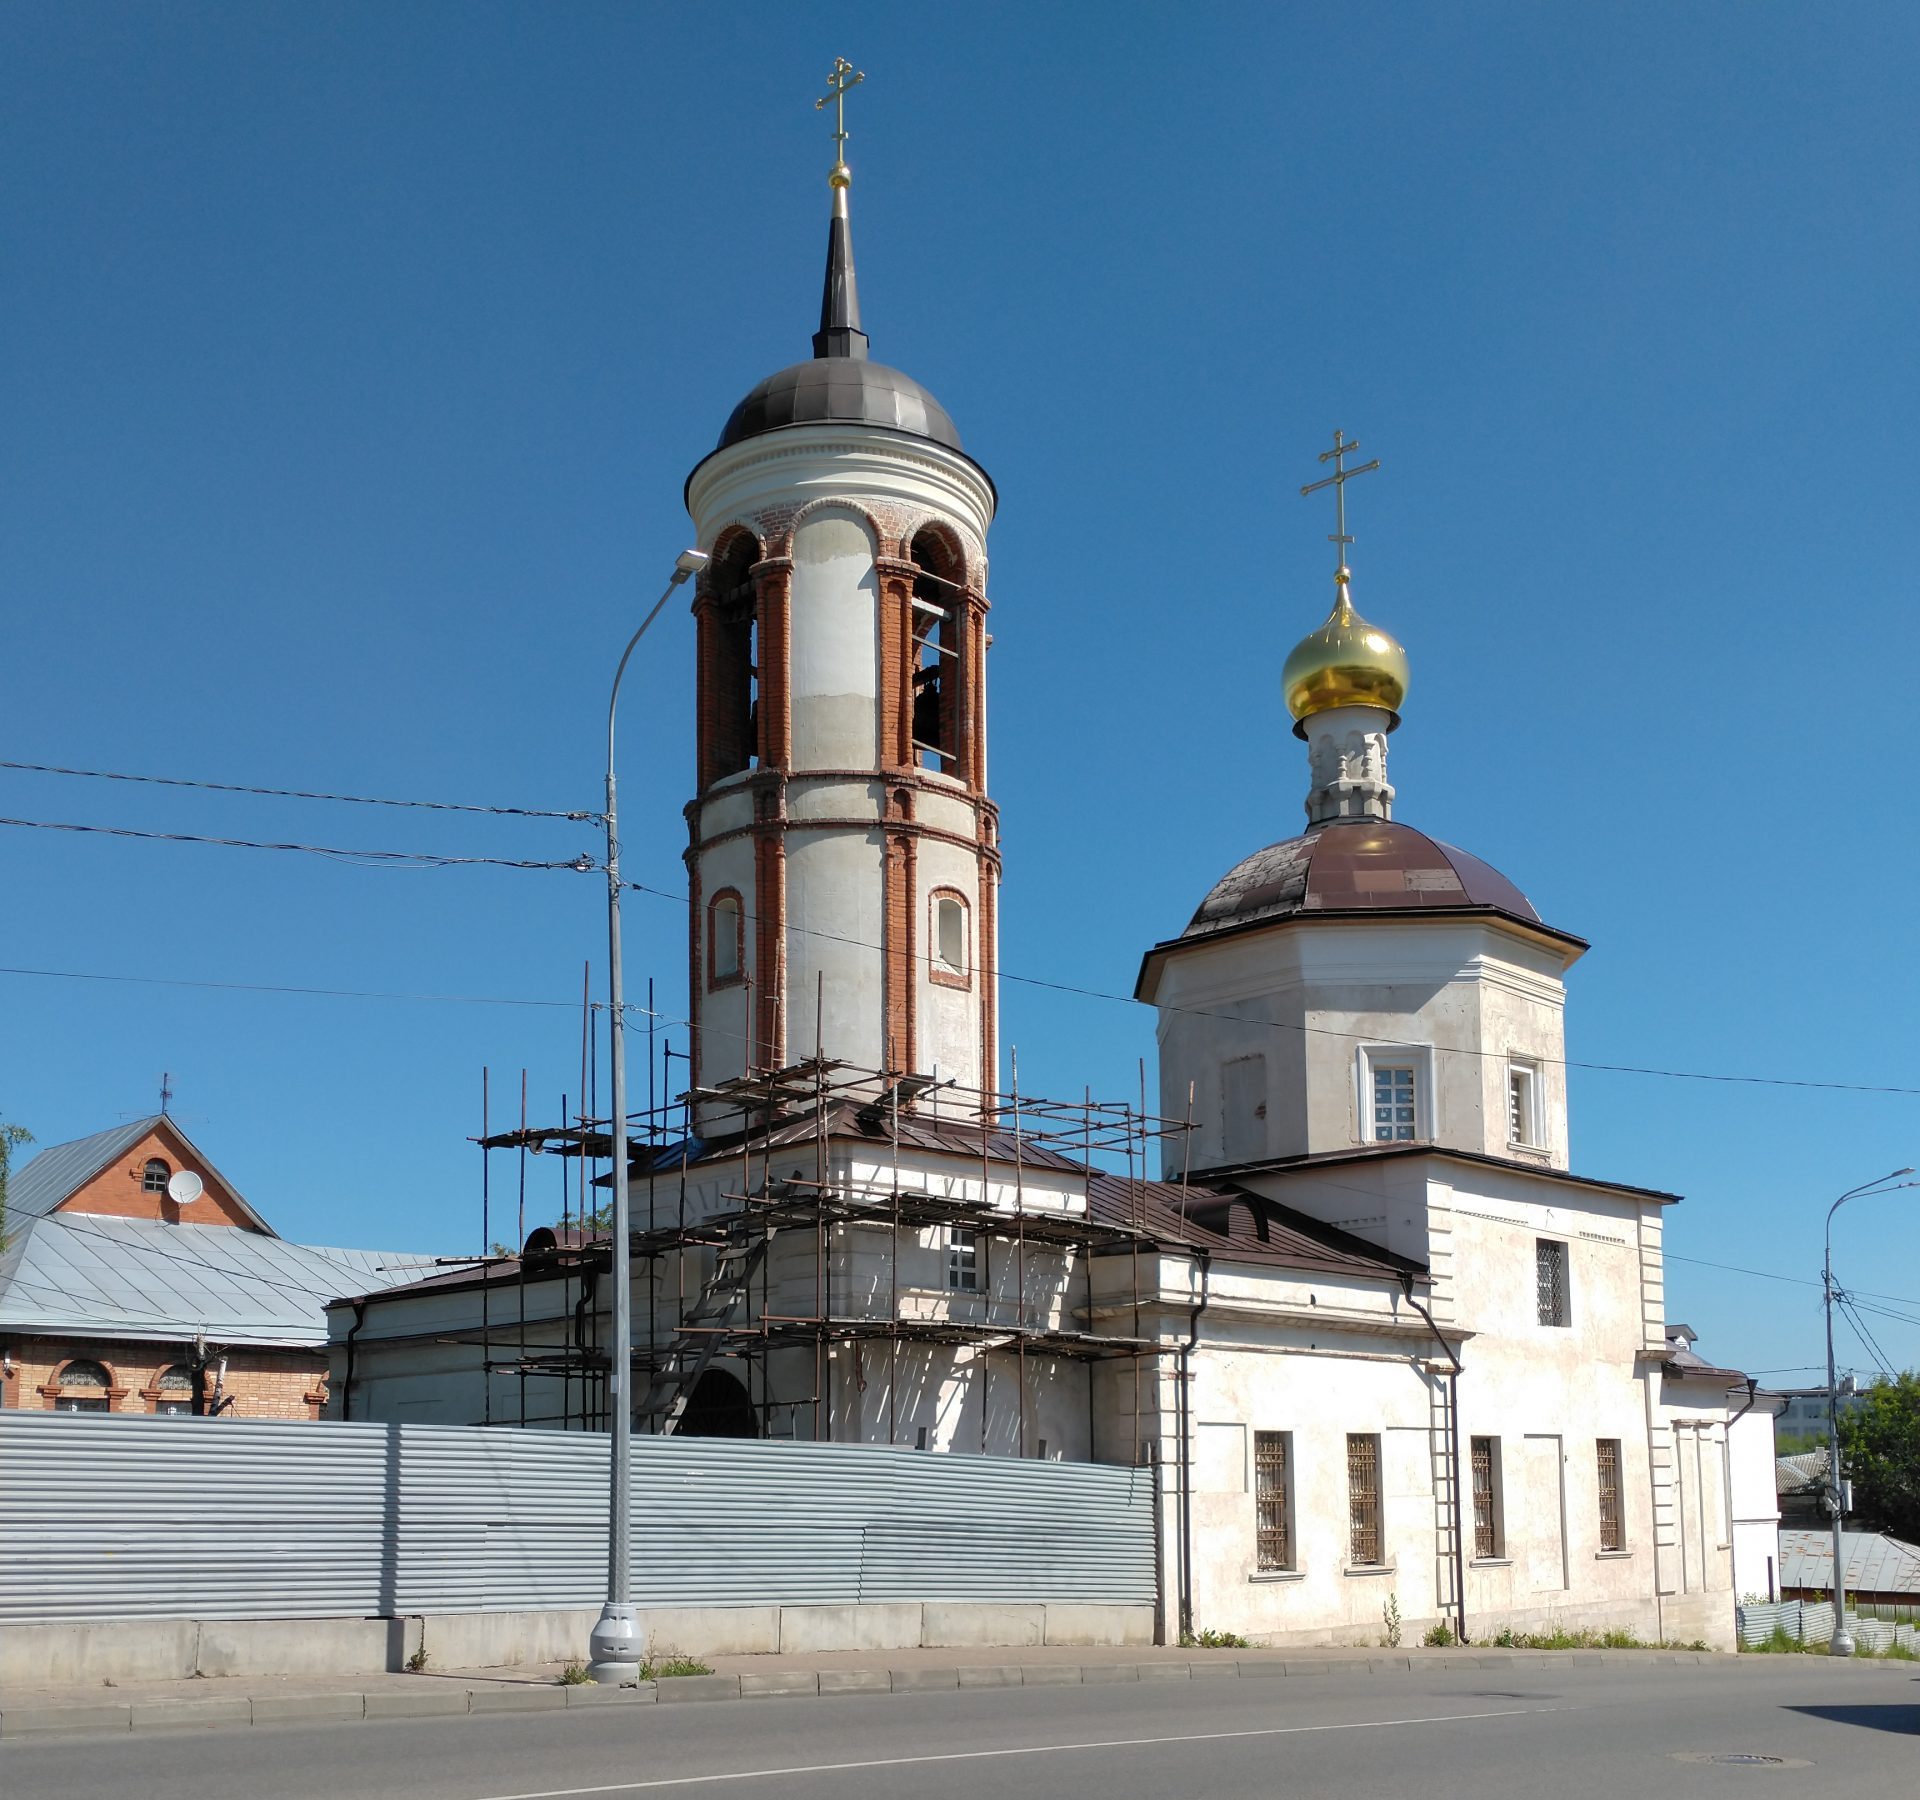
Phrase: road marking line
(900, 1762)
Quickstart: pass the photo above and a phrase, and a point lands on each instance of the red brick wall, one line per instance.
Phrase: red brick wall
(116, 1190)
(266, 1384)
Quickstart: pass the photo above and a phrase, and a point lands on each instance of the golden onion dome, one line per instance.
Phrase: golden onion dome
(1347, 662)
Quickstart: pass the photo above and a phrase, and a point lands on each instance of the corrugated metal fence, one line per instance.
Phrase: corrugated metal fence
(108, 1516)
(1811, 1622)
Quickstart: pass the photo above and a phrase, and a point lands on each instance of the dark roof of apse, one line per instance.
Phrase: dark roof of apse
(1357, 868)
(839, 384)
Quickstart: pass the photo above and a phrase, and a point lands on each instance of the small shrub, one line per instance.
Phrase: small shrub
(1213, 1640)
(1439, 1637)
(417, 1662)
(574, 1675)
(1390, 1617)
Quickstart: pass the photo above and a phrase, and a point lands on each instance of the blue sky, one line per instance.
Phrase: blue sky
(355, 356)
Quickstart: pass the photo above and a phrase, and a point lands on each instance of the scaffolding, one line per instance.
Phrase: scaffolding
(713, 1295)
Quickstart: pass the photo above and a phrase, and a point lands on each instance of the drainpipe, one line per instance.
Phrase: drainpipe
(346, 1386)
(1185, 1413)
(1453, 1433)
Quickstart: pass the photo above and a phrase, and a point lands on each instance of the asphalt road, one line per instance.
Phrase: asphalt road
(1482, 1734)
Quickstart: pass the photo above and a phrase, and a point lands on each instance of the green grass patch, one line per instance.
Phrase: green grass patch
(1213, 1640)
(664, 1668)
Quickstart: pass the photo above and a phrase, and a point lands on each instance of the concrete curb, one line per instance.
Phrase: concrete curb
(213, 1711)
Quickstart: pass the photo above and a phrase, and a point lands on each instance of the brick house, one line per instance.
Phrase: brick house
(125, 1288)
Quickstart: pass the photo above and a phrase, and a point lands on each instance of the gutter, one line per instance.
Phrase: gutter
(1185, 1415)
(1453, 1432)
(346, 1384)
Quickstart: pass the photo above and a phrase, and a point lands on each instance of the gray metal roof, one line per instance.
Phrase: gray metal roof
(39, 1186)
(96, 1276)
(1873, 1562)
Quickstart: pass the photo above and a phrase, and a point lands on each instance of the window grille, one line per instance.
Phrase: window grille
(173, 1392)
(1273, 1536)
(1550, 1270)
(85, 1387)
(1486, 1525)
(963, 1261)
(153, 1178)
(1393, 1103)
(1613, 1534)
(1363, 1502)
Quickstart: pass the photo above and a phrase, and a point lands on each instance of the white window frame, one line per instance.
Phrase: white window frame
(1419, 1058)
(963, 1260)
(1530, 1136)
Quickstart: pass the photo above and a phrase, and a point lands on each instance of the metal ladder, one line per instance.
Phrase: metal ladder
(688, 1356)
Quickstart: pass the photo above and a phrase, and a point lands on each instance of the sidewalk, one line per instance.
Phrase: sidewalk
(240, 1700)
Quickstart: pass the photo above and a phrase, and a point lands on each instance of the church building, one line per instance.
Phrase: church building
(1385, 1352)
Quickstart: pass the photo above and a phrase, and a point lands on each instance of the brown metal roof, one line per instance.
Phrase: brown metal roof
(1371, 868)
(1235, 1223)
(1326, 1159)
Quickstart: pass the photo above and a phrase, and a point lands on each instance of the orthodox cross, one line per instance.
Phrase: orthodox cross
(844, 76)
(1342, 449)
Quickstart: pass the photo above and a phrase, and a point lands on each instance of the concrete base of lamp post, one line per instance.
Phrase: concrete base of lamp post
(616, 1646)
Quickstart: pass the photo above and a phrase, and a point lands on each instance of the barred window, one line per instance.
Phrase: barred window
(1613, 1534)
(1550, 1275)
(1486, 1497)
(1363, 1502)
(173, 1392)
(1273, 1499)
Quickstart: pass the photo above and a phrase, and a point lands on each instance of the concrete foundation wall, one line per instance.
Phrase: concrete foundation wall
(175, 1649)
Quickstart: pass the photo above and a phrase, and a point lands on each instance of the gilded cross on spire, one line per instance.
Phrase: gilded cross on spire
(1342, 449)
(844, 77)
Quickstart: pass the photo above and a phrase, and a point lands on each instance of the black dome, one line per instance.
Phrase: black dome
(840, 390)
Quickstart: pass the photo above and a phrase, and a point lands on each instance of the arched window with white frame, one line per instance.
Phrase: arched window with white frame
(726, 939)
(950, 938)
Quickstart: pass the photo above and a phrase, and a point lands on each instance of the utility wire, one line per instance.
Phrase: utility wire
(234, 787)
(261, 987)
(1700, 1262)
(1063, 987)
(417, 859)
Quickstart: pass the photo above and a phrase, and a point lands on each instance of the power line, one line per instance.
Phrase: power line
(1768, 1275)
(234, 787)
(261, 987)
(418, 859)
(1064, 987)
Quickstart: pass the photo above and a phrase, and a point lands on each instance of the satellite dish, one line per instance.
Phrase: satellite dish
(184, 1187)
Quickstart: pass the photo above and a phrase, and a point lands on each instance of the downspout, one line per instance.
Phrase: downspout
(1185, 1414)
(1453, 1433)
(346, 1385)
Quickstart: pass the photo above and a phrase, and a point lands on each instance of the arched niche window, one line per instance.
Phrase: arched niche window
(730, 657)
(84, 1387)
(726, 940)
(950, 938)
(938, 657)
(153, 1178)
(173, 1392)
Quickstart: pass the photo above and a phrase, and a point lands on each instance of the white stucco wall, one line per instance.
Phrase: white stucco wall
(1309, 995)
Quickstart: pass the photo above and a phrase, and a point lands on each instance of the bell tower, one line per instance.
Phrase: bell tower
(843, 851)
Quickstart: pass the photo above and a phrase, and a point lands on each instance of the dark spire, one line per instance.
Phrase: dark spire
(840, 333)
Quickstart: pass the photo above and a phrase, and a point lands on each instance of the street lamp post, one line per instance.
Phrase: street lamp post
(615, 1644)
(1841, 1643)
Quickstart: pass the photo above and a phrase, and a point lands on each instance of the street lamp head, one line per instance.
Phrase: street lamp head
(689, 562)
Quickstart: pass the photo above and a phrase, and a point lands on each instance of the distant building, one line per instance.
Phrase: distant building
(1802, 1412)
(134, 1277)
